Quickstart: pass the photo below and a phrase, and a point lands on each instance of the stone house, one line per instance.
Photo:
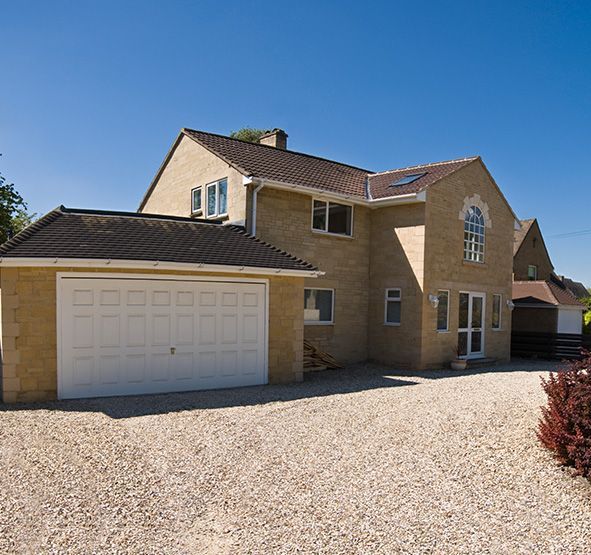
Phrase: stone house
(416, 261)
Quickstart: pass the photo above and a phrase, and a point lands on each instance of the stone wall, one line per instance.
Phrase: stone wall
(284, 219)
(191, 166)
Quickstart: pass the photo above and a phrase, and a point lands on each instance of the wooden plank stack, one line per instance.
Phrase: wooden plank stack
(315, 359)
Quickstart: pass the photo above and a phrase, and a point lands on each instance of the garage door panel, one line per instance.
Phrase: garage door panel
(83, 331)
(185, 329)
(130, 336)
(160, 329)
(136, 330)
(135, 366)
(83, 370)
(229, 328)
(109, 369)
(110, 330)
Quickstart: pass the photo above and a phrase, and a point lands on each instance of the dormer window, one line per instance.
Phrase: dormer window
(331, 217)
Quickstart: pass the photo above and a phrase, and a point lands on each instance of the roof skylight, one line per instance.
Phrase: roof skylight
(408, 179)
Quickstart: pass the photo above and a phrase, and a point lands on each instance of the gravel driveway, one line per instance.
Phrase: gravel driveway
(364, 460)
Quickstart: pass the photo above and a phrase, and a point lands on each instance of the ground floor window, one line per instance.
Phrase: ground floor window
(318, 306)
(393, 301)
(443, 310)
(496, 312)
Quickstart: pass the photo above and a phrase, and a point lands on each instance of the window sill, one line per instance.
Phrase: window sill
(197, 214)
(329, 234)
(391, 325)
(443, 331)
(318, 323)
(221, 217)
(497, 329)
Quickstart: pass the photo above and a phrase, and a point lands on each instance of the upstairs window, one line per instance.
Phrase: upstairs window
(407, 179)
(474, 235)
(331, 217)
(532, 272)
(196, 201)
(217, 198)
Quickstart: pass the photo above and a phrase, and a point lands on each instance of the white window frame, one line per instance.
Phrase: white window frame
(196, 211)
(215, 184)
(447, 316)
(325, 230)
(387, 300)
(535, 272)
(500, 312)
(321, 322)
(469, 252)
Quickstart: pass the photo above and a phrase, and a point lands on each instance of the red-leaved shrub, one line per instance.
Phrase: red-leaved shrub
(565, 426)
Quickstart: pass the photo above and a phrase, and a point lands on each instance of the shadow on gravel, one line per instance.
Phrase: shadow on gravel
(318, 384)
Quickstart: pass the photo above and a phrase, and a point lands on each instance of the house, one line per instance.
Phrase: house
(544, 307)
(416, 260)
(575, 287)
(237, 253)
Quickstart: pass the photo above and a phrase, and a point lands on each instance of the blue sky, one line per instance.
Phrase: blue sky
(94, 93)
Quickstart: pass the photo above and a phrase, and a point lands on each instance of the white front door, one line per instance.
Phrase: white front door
(471, 325)
(124, 336)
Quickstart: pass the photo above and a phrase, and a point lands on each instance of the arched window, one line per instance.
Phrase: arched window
(474, 235)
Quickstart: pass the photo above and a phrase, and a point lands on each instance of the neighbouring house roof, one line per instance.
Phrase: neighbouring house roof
(94, 234)
(520, 234)
(575, 287)
(543, 292)
(305, 170)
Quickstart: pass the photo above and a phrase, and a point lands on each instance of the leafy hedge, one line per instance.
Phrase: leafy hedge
(565, 426)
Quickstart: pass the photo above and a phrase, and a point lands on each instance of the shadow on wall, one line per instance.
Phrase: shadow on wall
(356, 379)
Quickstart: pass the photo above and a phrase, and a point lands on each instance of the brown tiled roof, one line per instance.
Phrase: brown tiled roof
(286, 166)
(95, 234)
(575, 287)
(380, 183)
(543, 292)
(520, 234)
(296, 168)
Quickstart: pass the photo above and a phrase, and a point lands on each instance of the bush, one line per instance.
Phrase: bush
(565, 426)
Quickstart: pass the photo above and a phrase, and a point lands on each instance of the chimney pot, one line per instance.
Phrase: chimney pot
(276, 138)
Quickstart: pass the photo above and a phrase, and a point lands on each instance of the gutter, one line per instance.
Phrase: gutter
(18, 262)
(409, 198)
(253, 225)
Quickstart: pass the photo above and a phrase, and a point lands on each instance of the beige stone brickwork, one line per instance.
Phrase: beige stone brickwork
(446, 269)
(284, 220)
(192, 166)
(397, 261)
(29, 339)
(532, 251)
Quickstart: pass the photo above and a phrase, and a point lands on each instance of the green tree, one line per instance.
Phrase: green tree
(249, 134)
(587, 315)
(13, 211)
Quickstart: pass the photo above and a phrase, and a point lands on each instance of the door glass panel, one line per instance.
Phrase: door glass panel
(476, 343)
(477, 312)
(464, 301)
(463, 343)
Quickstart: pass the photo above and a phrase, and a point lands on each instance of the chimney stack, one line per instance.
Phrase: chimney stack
(276, 138)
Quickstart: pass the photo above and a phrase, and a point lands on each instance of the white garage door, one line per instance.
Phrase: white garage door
(131, 336)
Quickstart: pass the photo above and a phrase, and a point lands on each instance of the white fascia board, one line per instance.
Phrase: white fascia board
(16, 262)
(350, 199)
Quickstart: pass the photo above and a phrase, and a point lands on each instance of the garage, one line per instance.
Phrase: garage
(136, 335)
(99, 303)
